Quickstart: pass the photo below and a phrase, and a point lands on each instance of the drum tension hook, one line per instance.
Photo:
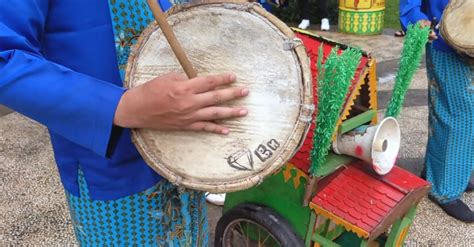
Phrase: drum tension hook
(291, 44)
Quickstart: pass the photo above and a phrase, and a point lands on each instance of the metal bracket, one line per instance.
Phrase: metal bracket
(306, 113)
(291, 44)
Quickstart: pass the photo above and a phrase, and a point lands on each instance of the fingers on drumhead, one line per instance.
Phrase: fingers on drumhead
(219, 96)
(209, 127)
(216, 113)
(174, 76)
(206, 83)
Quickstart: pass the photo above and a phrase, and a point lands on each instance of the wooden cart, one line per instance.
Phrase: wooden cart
(352, 205)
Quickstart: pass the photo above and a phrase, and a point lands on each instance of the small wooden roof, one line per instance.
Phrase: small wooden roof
(366, 203)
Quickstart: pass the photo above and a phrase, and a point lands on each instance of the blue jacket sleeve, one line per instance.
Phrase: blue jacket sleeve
(71, 104)
(410, 12)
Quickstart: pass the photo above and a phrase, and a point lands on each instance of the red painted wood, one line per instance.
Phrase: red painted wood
(362, 197)
(404, 180)
(302, 157)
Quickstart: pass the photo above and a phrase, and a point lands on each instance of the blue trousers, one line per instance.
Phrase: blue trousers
(450, 150)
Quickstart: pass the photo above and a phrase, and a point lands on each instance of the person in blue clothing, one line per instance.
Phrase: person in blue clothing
(61, 64)
(450, 151)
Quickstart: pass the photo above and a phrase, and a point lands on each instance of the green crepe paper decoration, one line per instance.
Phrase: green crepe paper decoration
(413, 49)
(334, 79)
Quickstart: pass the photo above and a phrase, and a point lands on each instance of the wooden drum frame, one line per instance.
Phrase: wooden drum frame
(264, 53)
(457, 26)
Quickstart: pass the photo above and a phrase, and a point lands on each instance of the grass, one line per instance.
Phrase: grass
(391, 14)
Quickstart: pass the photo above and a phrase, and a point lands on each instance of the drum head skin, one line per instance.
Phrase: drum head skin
(265, 56)
(457, 26)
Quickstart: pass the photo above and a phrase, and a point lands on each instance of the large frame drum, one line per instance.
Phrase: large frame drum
(266, 57)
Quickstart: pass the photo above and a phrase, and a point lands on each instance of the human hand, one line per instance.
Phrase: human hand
(426, 23)
(172, 102)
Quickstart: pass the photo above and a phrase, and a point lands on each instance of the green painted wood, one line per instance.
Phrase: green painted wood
(324, 228)
(282, 197)
(364, 243)
(336, 232)
(399, 226)
(333, 162)
(411, 214)
(348, 239)
(312, 222)
(320, 229)
(324, 241)
(356, 121)
(396, 230)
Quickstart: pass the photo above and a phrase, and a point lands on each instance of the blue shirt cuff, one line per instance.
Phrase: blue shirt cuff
(107, 99)
(411, 16)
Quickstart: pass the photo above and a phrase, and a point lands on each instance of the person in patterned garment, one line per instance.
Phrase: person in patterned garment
(450, 151)
(62, 64)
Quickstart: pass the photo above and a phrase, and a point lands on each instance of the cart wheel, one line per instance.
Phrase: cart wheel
(252, 225)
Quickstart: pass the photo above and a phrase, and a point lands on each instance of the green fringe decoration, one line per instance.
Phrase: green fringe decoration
(413, 49)
(334, 79)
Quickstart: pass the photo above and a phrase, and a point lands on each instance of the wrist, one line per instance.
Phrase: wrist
(124, 114)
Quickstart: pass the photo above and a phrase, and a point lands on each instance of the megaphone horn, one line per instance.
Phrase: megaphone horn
(377, 145)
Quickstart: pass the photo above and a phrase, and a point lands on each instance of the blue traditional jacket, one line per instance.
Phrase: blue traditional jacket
(412, 11)
(58, 66)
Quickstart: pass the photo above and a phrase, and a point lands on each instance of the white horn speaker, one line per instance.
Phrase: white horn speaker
(377, 145)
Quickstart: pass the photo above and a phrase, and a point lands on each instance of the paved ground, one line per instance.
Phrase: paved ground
(32, 205)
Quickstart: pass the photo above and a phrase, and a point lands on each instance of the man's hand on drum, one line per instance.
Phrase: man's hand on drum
(173, 102)
(426, 23)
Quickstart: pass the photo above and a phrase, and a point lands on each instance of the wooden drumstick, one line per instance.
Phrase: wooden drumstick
(178, 51)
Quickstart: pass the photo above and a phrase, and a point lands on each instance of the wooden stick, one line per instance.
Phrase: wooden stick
(309, 191)
(178, 51)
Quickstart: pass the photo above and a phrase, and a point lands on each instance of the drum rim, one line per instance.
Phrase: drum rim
(296, 138)
(465, 49)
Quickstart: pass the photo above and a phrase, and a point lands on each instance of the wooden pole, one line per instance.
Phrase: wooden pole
(309, 191)
(160, 17)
